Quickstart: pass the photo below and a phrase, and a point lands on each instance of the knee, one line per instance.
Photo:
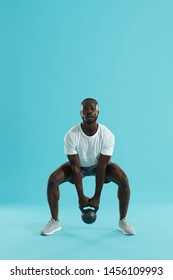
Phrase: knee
(124, 182)
(52, 182)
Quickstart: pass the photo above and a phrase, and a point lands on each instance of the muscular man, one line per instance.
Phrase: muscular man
(89, 147)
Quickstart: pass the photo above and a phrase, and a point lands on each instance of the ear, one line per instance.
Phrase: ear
(97, 113)
(81, 110)
(97, 109)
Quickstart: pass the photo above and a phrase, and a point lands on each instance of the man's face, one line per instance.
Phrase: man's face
(89, 111)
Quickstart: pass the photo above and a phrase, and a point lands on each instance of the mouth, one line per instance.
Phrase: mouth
(89, 118)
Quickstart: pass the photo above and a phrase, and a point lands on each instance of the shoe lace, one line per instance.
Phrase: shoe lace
(51, 222)
(126, 223)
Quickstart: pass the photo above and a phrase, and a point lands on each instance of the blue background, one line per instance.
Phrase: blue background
(56, 53)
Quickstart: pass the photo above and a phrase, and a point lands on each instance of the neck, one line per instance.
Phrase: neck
(89, 129)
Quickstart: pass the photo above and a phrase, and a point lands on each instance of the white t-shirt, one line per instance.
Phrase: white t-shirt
(87, 147)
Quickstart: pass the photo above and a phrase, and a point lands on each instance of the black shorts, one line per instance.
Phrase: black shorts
(90, 171)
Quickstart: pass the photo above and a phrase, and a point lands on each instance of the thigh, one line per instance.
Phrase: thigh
(62, 174)
(114, 173)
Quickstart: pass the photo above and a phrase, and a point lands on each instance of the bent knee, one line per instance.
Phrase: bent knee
(52, 181)
(124, 182)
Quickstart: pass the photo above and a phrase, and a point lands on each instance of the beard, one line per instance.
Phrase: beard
(90, 120)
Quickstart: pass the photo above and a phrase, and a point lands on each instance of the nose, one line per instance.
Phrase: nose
(89, 111)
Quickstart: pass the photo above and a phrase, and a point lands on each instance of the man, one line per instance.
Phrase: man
(89, 147)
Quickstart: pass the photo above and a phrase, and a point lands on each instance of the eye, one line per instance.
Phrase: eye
(93, 108)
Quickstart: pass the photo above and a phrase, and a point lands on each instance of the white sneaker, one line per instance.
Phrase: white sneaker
(51, 227)
(125, 227)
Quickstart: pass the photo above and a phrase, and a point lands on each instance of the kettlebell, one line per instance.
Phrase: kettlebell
(89, 215)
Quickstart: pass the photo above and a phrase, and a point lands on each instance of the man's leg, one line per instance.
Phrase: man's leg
(117, 175)
(59, 176)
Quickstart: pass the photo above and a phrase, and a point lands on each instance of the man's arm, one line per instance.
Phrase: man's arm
(100, 178)
(75, 165)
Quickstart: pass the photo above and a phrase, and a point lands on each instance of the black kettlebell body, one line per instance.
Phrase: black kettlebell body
(89, 215)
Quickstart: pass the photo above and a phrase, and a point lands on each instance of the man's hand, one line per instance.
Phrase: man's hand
(83, 201)
(94, 201)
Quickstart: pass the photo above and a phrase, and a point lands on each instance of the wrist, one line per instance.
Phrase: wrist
(80, 194)
(97, 195)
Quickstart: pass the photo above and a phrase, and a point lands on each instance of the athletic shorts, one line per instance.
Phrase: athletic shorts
(90, 171)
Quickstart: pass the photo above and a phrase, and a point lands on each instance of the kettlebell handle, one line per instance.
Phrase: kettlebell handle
(95, 209)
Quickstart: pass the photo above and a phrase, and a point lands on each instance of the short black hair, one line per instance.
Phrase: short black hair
(89, 99)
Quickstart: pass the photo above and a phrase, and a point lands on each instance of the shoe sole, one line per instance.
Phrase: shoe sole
(126, 233)
(50, 233)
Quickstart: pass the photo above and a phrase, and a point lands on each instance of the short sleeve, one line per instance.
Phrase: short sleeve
(69, 144)
(108, 144)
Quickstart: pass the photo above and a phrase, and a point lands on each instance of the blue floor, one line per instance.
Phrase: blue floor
(21, 225)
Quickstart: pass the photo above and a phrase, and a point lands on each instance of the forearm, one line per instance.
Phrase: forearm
(100, 174)
(100, 178)
(78, 180)
(76, 172)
